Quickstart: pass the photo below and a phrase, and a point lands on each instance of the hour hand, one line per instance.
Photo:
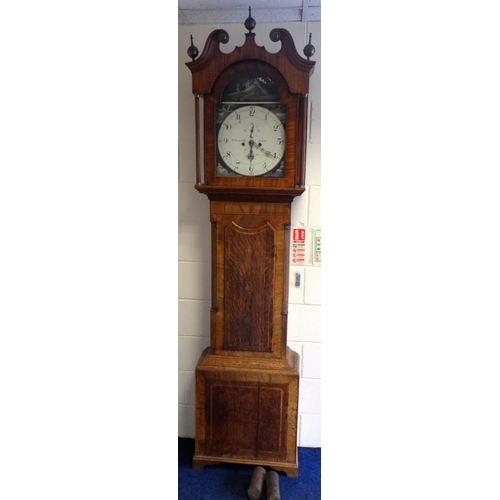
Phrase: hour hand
(250, 155)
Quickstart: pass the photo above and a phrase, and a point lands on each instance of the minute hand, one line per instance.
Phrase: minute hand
(265, 151)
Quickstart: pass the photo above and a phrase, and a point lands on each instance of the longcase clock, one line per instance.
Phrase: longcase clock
(251, 121)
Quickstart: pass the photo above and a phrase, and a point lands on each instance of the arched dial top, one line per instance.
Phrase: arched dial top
(295, 69)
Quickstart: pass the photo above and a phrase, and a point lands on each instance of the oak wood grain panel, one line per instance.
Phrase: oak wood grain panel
(249, 287)
(246, 419)
(233, 419)
(271, 438)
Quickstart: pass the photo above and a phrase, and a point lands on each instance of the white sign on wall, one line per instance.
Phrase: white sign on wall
(317, 246)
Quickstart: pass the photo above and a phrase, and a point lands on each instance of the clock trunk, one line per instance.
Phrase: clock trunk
(247, 381)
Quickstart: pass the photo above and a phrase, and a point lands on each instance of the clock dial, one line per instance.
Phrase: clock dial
(251, 141)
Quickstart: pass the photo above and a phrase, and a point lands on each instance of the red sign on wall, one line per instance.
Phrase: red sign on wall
(299, 235)
(299, 246)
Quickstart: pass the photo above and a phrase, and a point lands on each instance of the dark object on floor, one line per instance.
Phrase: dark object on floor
(255, 488)
(273, 485)
(230, 481)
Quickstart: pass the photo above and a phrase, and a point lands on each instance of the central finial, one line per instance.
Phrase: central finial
(250, 21)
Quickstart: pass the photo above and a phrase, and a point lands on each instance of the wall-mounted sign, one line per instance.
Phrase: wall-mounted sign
(317, 246)
(298, 246)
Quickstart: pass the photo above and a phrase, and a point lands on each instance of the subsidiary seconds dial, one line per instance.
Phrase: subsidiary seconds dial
(251, 141)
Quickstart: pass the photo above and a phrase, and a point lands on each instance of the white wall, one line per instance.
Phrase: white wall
(304, 326)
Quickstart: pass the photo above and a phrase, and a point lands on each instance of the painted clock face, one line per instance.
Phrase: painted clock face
(251, 141)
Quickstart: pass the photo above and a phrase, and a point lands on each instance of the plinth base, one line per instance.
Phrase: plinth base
(246, 412)
(291, 470)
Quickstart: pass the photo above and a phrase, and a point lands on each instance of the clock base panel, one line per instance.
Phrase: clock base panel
(247, 416)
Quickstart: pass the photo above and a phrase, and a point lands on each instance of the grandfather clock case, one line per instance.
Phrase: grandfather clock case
(251, 127)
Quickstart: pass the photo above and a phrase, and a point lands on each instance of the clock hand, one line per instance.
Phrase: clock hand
(251, 143)
(250, 155)
(258, 146)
